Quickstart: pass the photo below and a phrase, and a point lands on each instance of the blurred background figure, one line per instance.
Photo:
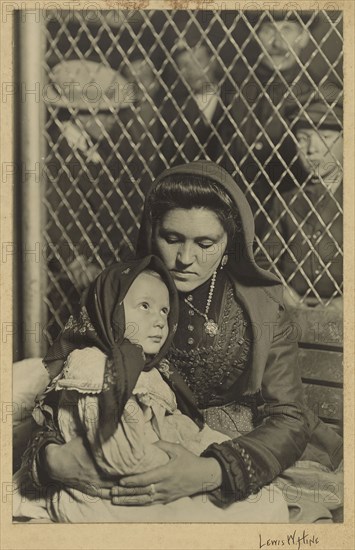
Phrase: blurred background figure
(265, 146)
(139, 71)
(191, 84)
(82, 168)
(306, 239)
(199, 116)
(282, 40)
(193, 111)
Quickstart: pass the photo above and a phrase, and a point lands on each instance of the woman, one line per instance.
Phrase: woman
(233, 347)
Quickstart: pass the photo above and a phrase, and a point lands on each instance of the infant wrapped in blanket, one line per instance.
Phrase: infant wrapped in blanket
(111, 394)
(150, 415)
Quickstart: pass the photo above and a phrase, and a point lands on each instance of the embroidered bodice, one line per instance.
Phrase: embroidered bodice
(212, 365)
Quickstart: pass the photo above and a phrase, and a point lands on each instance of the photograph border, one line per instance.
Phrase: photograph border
(173, 536)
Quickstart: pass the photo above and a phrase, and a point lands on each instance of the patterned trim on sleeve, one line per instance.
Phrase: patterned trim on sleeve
(31, 457)
(239, 476)
(253, 486)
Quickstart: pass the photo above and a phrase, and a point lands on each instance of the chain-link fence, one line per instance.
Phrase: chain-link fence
(133, 92)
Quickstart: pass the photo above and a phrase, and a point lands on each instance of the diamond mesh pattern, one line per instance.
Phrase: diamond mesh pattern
(100, 160)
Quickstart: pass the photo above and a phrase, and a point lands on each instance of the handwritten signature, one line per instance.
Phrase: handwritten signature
(293, 539)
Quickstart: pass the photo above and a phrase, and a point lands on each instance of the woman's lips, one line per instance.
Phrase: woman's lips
(182, 274)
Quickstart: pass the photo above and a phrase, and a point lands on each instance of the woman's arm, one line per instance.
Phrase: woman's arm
(72, 465)
(255, 459)
(243, 465)
(49, 459)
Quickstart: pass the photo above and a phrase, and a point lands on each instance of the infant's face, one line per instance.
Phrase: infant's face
(146, 307)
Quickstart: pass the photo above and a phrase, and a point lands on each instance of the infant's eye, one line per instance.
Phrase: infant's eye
(144, 305)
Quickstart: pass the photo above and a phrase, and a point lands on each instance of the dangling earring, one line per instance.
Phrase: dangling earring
(224, 261)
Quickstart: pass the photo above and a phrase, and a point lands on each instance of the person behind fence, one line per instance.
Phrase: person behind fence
(264, 144)
(305, 240)
(198, 117)
(235, 351)
(98, 144)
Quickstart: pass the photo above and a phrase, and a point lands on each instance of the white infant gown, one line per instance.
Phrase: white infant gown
(150, 415)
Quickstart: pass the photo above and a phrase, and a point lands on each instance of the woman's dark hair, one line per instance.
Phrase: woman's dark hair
(191, 191)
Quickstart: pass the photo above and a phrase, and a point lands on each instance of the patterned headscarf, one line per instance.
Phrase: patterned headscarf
(100, 322)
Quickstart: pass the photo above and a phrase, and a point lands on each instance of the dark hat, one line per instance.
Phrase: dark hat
(321, 108)
(309, 18)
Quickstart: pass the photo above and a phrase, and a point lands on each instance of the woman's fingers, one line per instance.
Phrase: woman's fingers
(143, 480)
(135, 496)
(93, 490)
(157, 474)
(140, 500)
(118, 491)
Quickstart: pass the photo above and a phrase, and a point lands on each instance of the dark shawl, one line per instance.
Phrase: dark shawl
(258, 290)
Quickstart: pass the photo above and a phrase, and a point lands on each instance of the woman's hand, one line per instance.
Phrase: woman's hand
(185, 474)
(72, 465)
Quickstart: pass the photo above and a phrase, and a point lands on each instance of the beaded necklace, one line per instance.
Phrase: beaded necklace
(211, 328)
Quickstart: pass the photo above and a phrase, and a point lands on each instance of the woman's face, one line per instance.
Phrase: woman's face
(191, 243)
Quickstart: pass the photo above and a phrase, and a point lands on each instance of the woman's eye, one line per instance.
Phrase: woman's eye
(165, 311)
(144, 305)
(171, 240)
(206, 244)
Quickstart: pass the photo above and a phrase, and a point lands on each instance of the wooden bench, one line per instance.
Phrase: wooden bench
(320, 339)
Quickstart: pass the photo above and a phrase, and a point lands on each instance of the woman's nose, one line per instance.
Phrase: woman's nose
(185, 254)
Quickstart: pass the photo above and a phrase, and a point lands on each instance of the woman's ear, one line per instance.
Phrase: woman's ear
(224, 260)
(153, 238)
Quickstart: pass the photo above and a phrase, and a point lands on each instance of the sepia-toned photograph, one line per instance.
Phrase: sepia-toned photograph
(177, 262)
